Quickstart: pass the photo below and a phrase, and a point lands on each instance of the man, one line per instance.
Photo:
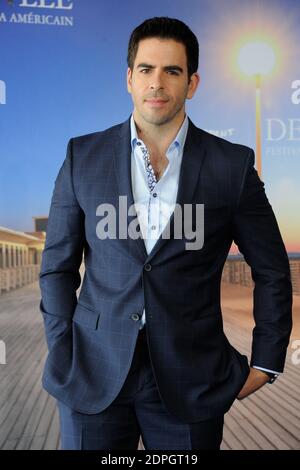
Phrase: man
(142, 351)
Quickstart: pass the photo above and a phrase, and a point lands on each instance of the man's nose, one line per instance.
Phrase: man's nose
(157, 81)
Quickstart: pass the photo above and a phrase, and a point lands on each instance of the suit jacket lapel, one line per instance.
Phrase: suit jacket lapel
(122, 162)
(192, 159)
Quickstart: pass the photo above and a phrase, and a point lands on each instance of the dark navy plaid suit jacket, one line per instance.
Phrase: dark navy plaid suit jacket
(92, 340)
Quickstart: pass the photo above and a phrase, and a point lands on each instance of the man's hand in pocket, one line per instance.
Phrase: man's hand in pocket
(256, 379)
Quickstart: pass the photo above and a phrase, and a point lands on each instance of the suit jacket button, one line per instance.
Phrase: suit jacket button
(147, 267)
(135, 317)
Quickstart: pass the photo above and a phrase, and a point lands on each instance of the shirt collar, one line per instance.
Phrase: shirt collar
(179, 140)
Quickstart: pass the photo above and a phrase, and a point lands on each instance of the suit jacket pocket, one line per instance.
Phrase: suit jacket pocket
(85, 315)
(244, 368)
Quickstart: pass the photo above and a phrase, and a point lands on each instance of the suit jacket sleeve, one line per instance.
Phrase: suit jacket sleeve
(62, 255)
(256, 233)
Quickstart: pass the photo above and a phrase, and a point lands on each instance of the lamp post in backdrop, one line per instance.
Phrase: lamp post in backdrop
(256, 59)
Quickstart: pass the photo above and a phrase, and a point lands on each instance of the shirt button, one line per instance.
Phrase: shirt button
(153, 227)
(135, 317)
(154, 194)
(147, 267)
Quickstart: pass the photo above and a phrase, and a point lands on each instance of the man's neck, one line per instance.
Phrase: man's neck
(158, 138)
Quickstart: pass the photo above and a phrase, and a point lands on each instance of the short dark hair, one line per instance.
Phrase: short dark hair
(165, 28)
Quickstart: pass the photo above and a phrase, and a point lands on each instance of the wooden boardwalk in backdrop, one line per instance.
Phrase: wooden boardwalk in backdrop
(269, 419)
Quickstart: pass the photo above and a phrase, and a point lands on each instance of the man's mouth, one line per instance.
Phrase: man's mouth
(156, 102)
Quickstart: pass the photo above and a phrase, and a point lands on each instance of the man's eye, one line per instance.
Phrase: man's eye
(172, 72)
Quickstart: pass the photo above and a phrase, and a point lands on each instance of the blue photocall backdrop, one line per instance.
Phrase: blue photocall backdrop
(63, 74)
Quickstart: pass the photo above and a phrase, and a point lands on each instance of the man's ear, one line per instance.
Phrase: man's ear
(193, 85)
(129, 78)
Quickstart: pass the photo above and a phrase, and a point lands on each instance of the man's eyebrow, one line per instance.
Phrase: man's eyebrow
(167, 67)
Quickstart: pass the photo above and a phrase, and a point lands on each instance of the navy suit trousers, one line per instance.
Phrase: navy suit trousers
(138, 411)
